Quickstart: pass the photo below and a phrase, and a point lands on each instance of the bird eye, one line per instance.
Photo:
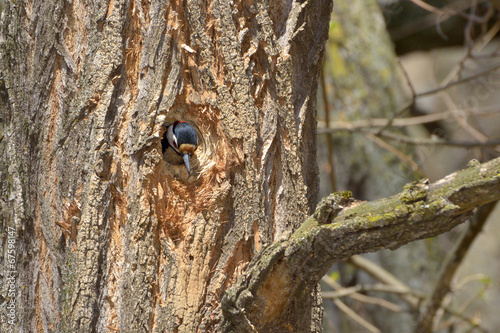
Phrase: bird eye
(175, 142)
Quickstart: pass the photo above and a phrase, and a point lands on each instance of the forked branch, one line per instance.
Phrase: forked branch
(282, 276)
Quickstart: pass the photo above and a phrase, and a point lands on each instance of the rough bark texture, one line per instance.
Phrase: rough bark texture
(108, 235)
(285, 272)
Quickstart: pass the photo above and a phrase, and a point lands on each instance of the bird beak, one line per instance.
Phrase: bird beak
(187, 158)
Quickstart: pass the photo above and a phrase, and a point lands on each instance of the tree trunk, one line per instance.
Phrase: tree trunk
(107, 235)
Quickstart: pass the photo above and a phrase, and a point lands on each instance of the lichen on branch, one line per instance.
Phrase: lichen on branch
(285, 272)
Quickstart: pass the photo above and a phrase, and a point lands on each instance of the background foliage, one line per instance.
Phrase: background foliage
(411, 89)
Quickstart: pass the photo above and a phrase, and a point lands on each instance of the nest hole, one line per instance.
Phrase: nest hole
(201, 160)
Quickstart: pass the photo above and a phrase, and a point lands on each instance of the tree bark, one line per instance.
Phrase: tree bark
(285, 272)
(100, 233)
(107, 235)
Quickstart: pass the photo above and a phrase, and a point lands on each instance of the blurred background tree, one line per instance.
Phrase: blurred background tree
(410, 89)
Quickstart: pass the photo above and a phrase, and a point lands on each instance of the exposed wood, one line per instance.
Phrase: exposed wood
(277, 279)
(109, 236)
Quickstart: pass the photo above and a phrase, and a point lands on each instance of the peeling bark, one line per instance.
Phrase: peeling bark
(108, 235)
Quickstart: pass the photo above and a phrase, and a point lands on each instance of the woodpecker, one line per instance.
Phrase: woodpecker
(182, 138)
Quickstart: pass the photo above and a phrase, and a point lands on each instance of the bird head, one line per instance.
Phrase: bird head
(182, 138)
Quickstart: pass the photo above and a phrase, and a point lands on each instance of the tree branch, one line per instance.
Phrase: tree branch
(377, 272)
(425, 141)
(372, 123)
(280, 277)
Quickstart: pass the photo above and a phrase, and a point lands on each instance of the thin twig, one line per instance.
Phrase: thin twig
(459, 315)
(344, 308)
(439, 142)
(354, 316)
(445, 11)
(465, 307)
(409, 105)
(385, 277)
(456, 315)
(460, 81)
(415, 26)
(430, 142)
(402, 156)
(403, 122)
(453, 262)
(363, 288)
(487, 37)
(356, 295)
(463, 121)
